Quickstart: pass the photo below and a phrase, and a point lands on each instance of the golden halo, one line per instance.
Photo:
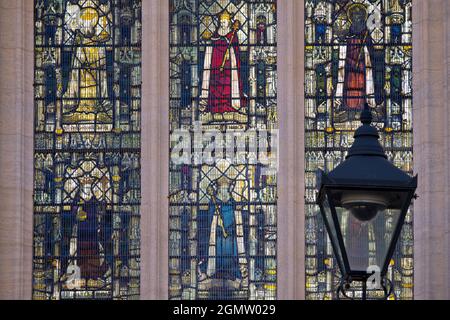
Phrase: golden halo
(89, 14)
(356, 7)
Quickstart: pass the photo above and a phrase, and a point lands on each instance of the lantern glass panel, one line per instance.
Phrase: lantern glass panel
(367, 242)
(332, 230)
(367, 222)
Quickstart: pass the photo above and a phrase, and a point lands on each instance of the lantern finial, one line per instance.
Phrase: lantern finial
(366, 138)
(366, 115)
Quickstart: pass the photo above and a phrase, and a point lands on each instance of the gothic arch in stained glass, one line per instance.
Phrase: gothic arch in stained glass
(222, 219)
(356, 52)
(87, 149)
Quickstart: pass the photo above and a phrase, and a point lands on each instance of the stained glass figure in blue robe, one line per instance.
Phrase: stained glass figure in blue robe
(223, 257)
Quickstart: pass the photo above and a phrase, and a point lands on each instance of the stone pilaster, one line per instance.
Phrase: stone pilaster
(16, 148)
(291, 178)
(431, 148)
(155, 150)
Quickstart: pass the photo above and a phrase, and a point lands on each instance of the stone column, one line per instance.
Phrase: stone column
(16, 148)
(431, 35)
(291, 178)
(155, 149)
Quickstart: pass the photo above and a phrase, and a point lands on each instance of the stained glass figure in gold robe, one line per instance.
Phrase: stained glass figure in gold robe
(86, 94)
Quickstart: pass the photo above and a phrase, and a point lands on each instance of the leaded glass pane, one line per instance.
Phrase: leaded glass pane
(356, 52)
(222, 219)
(87, 149)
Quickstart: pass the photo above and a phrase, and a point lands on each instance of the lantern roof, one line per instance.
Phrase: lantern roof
(366, 164)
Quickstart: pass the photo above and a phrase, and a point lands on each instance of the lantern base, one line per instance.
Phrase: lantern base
(345, 286)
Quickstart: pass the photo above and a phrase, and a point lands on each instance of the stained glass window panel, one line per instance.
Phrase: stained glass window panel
(356, 52)
(222, 219)
(87, 149)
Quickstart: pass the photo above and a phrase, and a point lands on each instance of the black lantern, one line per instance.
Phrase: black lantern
(364, 202)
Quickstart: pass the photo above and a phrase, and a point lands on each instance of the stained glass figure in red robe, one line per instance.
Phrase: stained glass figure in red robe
(355, 85)
(222, 97)
(88, 196)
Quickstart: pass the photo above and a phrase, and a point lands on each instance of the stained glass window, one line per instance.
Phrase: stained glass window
(87, 149)
(222, 219)
(356, 52)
